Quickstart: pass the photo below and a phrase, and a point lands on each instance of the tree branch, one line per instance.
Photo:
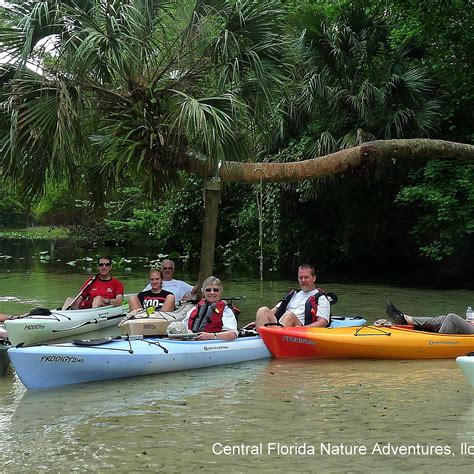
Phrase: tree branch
(334, 163)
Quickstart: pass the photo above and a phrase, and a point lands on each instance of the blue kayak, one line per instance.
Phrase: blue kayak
(47, 366)
(347, 321)
(51, 365)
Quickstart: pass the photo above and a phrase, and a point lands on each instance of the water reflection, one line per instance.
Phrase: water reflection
(171, 421)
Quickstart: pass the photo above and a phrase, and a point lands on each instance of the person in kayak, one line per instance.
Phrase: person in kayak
(156, 297)
(294, 309)
(211, 318)
(449, 323)
(100, 290)
(180, 289)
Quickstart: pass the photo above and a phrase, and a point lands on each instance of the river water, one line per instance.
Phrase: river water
(269, 415)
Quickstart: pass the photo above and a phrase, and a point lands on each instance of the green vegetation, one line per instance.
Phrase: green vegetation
(142, 92)
(34, 233)
(444, 196)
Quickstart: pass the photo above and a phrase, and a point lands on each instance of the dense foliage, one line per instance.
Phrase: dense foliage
(225, 79)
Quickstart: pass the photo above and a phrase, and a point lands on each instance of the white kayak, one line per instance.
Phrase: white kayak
(141, 322)
(47, 366)
(32, 329)
(466, 364)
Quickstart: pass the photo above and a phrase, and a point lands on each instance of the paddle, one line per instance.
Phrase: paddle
(92, 280)
(332, 298)
(230, 304)
(92, 321)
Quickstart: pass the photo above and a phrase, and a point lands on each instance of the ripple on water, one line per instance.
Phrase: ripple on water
(169, 422)
(172, 421)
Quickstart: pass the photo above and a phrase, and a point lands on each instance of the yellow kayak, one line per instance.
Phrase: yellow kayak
(366, 342)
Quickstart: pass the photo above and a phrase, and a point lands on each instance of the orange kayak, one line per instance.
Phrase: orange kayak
(366, 342)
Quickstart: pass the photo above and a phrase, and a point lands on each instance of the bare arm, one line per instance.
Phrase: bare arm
(224, 336)
(117, 301)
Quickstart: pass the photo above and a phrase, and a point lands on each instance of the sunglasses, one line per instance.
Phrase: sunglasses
(215, 290)
(167, 268)
(104, 264)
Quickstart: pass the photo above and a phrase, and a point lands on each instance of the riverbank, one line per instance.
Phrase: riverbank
(34, 233)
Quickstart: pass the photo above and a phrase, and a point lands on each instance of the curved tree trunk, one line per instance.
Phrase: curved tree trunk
(335, 163)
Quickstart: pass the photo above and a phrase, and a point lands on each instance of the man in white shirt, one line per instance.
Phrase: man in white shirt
(180, 289)
(297, 310)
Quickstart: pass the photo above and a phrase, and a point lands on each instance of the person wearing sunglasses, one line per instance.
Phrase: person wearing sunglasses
(180, 289)
(211, 318)
(156, 297)
(100, 290)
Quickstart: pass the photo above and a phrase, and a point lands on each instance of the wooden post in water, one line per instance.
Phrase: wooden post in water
(212, 197)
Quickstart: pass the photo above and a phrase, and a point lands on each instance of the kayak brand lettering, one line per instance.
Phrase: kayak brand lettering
(214, 348)
(299, 340)
(61, 359)
(432, 343)
(33, 327)
(149, 326)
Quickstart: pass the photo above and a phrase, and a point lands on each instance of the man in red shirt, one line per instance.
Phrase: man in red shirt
(101, 290)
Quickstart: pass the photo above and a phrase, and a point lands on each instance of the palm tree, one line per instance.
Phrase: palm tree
(354, 86)
(106, 91)
(135, 88)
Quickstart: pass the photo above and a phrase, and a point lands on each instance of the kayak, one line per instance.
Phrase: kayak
(47, 366)
(466, 364)
(347, 321)
(367, 342)
(154, 324)
(32, 329)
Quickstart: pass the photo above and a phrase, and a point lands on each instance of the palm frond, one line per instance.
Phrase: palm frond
(209, 121)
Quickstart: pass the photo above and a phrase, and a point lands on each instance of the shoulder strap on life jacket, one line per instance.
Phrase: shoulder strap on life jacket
(311, 307)
(205, 317)
(284, 304)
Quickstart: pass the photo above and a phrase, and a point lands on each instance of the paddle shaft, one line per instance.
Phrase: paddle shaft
(92, 280)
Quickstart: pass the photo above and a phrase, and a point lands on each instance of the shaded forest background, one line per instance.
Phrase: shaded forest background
(388, 70)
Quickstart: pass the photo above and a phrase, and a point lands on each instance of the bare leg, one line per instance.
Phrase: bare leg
(134, 303)
(264, 315)
(408, 319)
(168, 304)
(68, 302)
(97, 302)
(290, 319)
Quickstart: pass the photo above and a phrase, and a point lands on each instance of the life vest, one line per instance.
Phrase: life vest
(207, 318)
(310, 308)
(283, 304)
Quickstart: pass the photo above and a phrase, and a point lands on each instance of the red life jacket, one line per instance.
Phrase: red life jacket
(207, 318)
(311, 308)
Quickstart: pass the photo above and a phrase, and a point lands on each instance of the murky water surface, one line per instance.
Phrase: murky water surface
(269, 415)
